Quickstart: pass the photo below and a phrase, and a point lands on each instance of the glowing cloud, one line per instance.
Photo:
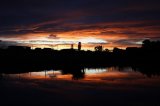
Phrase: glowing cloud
(91, 40)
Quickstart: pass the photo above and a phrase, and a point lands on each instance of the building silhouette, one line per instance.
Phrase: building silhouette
(79, 46)
(72, 46)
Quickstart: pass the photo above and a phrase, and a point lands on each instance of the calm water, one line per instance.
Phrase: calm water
(112, 74)
(79, 87)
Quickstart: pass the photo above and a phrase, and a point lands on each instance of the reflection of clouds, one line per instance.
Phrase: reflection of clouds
(114, 74)
(110, 76)
(94, 71)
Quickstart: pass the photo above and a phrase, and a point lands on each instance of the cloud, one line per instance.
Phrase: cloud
(118, 21)
(53, 36)
(5, 44)
(91, 40)
(129, 42)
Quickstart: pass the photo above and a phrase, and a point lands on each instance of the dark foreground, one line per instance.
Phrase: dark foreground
(118, 91)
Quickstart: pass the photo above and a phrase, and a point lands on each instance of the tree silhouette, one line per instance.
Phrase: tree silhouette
(146, 43)
(99, 48)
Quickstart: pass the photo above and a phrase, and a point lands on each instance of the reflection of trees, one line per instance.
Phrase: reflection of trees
(23, 59)
(149, 71)
(77, 72)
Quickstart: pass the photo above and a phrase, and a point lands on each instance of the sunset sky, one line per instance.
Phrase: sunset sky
(59, 23)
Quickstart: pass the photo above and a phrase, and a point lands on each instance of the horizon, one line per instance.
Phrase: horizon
(80, 52)
(72, 45)
(65, 46)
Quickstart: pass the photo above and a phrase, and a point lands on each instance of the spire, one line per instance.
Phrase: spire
(79, 46)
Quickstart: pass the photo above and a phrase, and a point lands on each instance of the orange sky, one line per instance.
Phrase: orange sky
(110, 35)
(59, 23)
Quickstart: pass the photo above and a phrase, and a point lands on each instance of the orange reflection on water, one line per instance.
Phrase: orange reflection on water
(100, 75)
(90, 74)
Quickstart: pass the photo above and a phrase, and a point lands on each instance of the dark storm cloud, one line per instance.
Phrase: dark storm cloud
(18, 17)
(52, 36)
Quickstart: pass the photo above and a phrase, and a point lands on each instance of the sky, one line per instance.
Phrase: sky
(60, 23)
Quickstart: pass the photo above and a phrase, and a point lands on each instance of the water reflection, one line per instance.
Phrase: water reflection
(90, 74)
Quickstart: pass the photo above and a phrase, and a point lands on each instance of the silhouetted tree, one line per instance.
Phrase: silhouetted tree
(154, 45)
(99, 48)
(146, 43)
(117, 50)
(107, 50)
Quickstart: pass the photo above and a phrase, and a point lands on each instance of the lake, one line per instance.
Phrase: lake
(82, 86)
